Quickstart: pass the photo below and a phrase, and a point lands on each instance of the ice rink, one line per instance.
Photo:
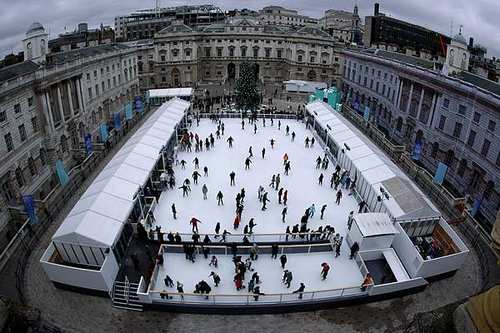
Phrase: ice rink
(302, 182)
(306, 268)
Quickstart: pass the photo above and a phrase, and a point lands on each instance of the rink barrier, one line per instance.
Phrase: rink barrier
(308, 237)
(239, 115)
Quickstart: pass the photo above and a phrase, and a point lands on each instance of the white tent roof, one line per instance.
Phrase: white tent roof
(171, 92)
(97, 218)
(375, 224)
(378, 174)
(359, 152)
(367, 163)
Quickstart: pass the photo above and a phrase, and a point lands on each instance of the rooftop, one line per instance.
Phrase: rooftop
(68, 56)
(11, 72)
(481, 82)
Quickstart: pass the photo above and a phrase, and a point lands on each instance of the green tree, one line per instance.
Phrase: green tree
(247, 93)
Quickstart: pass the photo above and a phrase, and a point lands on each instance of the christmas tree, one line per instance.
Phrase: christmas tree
(247, 94)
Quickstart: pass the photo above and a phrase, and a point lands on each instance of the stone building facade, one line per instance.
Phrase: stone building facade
(344, 26)
(453, 118)
(46, 108)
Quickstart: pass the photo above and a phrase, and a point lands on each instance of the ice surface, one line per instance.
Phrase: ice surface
(302, 183)
(306, 268)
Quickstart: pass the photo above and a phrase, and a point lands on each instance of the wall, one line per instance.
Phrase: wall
(406, 252)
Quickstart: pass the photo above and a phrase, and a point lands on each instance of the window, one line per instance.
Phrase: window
(8, 142)
(457, 131)
(219, 51)
(109, 83)
(32, 166)
(477, 117)
(462, 109)
(3, 116)
(30, 101)
(88, 76)
(268, 52)
(472, 138)
(442, 122)
(278, 54)
(491, 126)
(299, 58)
(90, 93)
(435, 149)
(231, 51)
(17, 108)
(97, 90)
(103, 86)
(95, 73)
(446, 103)
(19, 177)
(22, 132)
(486, 147)
(462, 166)
(312, 59)
(207, 51)
(34, 124)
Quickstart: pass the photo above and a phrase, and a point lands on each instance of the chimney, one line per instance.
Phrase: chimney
(376, 9)
(471, 42)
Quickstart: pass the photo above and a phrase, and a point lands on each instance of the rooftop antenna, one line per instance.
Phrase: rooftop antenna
(157, 8)
(460, 30)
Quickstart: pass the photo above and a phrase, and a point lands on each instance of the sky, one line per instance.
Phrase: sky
(479, 17)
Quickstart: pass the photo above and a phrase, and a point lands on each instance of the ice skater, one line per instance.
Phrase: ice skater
(320, 179)
(183, 164)
(277, 181)
(293, 136)
(220, 196)
(242, 124)
(168, 282)
(196, 162)
(287, 168)
(283, 214)
(263, 153)
(280, 194)
(272, 143)
(339, 197)
(323, 208)
(265, 200)
(279, 125)
(318, 162)
(300, 291)
(251, 225)
(230, 141)
(237, 221)
(260, 192)
(205, 171)
(215, 277)
(283, 261)
(350, 218)
(194, 222)
(288, 279)
(250, 152)
(254, 128)
(204, 190)
(213, 262)
(312, 142)
(287, 130)
(311, 210)
(217, 229)
(325, 268)
(232, 175)
(174, 211)
(195, 175)
(273, 180)
(185, 190)
(306, 142)
(248, 161)
(285, 197)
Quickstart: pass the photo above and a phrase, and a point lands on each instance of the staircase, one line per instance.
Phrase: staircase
(125, 296)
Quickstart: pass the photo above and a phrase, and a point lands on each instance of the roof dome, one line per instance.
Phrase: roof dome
(460, 39)
(35, 27)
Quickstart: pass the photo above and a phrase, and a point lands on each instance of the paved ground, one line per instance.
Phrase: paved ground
(73, 312)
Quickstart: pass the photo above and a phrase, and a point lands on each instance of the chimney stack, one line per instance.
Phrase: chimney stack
(376, 9)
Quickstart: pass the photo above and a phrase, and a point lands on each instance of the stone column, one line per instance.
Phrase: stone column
(409, 99)
(59, 100)
(420, 102)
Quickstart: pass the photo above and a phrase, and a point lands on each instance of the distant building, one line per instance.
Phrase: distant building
(342, 25)
(82, 37)
(396, 35)
(282, 16)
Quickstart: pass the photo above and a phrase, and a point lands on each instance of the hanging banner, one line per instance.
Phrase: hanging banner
(440, 173)
(117, 121)
(417, 151)
(61, 173)
(366, 114)
(88, 143)
(476, 206)
(103, 130)
(139, 106)
(128, 111)
(29, 206)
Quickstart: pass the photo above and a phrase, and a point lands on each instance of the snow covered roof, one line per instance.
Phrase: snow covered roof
(375, 224)
(97, 218)
(170, 92)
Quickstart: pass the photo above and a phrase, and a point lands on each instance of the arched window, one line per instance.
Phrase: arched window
(399, 124)
(29, 46)
(450, 156)
(464, 58)
(452, 57)
(462, 167)
(435, 149)
(19, 177)
(42, 47)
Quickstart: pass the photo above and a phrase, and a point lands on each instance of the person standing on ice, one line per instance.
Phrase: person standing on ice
(185, 190)
(174, 211)
(237, 221)
(242, 195)
(287, 130)
(204, 190)
(230, 141)
(196, 162)
(222, 128)
(306, 142)
(350, 218)
(293, 136)
(254, 128)
(217, 229)
(205, 171)
(288, 279)
(251, 224)
(325, 268)
(254, 252)
(213, 262)
(323, 208)
(250, 152)
(312, 210)
(300, 291)
(215, 277)
(285, 159)
(278, 180)
(280, 193)
(231, 178)
(283, 261)
(196, 174)
(243, 124)
(283, 214)
(220, 196)
(194, 222)
(279, 124)
(251, 285)
(274, 251)
(183, 164)
(318, 162)
(320, 179)
(272, 143)
(339, 196)
(180, 289)
(248, 161)
(285, 197)
(265, 200)
(312, 142)
(273, 179)
(263, 153)
(260, 191)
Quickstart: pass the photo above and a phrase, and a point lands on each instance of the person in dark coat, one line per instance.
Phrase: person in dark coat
(300, 290)
(168, 282)
(274, 251)
(322, 211)
(354, 250)
(215, 277)
(174, 211)
(257, 292)
(283, 261)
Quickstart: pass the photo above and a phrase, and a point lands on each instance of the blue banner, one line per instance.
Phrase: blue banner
(139, 106)
(476, 206)
(29, 206)
(61, 173)
(117, 120)
(88, 143)
(128, 111)
(103, 130)
(417, 151)
(366, 114)
(440, 173)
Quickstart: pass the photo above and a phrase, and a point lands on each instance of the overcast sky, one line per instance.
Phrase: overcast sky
(480, 18)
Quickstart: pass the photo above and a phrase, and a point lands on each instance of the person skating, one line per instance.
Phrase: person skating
(222, 129)
(217, 229)
(174, 211)
(337, 241)
(237, 221)
(280, 194)
(238, 281)
(325, 268)
(350, 218)
(251, 285)
(287, 130)
(306, 142)
(248, 161)
(293, 136)
(323, 208)
(288, 233)
(273, 180)
(285, 273)
(260, 192)
(265, 200)
(183, 164)
(312, 142)
(272, 143)
(229, 140)
(242, 195)
(274, 251)
(245, 230)
(180, 289)
(354, 250)
(212, 140)
(250, 152)
(285, 159)
(320, 179)
(195, 175)
(283, 213)
(185, 190)
(263, 153)
(287, 168)
(288, 279)
(339, 197)
(204, 190)
(215, 277)
(254, 128)
(232, 175)
(194, 222)
(220, 196)
(256, 278)
(300, 291)
(238, 199)
(205, 171)
(283, 261)
(251, 225)
(254, 252)
(213, 262)
(285, 197)
(318, 162)
(277, 182)
(312, 210)
(243, 124)
(196, 162)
